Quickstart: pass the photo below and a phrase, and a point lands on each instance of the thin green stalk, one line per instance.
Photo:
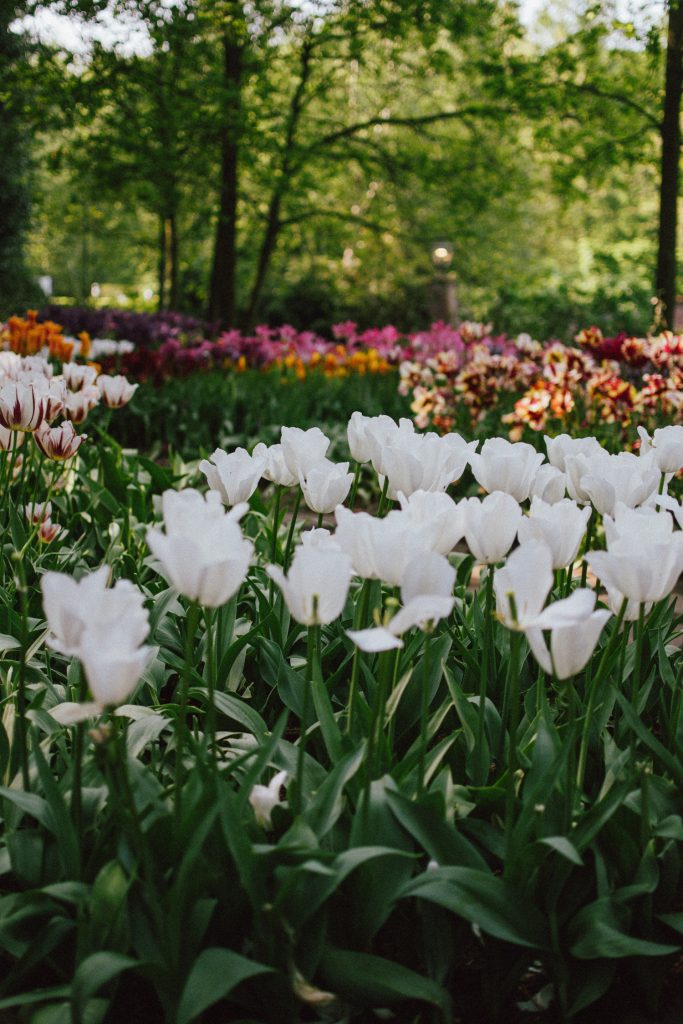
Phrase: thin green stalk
(320, 520)
(482, 762)
(21, 703)
(290, 534)
(77, 755)
(360, 617)
(592, 691)
(586, 549)
(513, 728)
(191, 620)
(354, 486)
(383, 498)
(211, 680)
(637, 665)
(305, 714)
(276, 522)
(424, 718)
(384, 667)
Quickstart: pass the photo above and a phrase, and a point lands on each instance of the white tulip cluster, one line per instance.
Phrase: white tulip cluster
(104, 627)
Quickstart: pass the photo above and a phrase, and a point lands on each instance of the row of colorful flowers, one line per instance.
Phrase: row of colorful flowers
(454, 377)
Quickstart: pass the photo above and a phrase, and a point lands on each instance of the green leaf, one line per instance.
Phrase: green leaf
(372, 981)
(39, 995)
(486, 901)
(599, 930)
(438, 838)
(8, 643)
(325, 808)
(215, 973)
(238, 710)
(564, 848)
(94, 972)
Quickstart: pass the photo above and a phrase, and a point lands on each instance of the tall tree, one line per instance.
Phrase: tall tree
(670, 163)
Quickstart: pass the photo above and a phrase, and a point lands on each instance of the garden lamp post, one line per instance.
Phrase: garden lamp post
(443, 298)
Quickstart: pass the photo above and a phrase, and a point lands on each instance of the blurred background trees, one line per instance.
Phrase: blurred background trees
(274, 160)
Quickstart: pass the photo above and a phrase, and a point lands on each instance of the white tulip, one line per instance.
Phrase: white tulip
(276, 468)
(424, 462)
(427, 595)
(440, 514)
(112, 667)
(506, 466)
(491, 525)
(317, 584)
(523, 584)
(561, 527)
(381, 549)
(356, 433)
(574, 633)
(302, 449)
(640, 524)
(644, 572)
(234, 476)
(581, 465)
(116, 391)
(203, 554)
(381, 433)
(78, 404)
(563, 445)
(621, 478)
(105, 629)
(549, 484)
(78, 375)
(666, 446)
(73, 608)
(264, 798)
(325, 485)
(22, 407)
(319, 538)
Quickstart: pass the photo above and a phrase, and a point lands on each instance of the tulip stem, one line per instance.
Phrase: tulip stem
(637, 664)
(482, 762)
(320, 520)
(354, 486)
(383, 498)
(513, 728)
(384, 668)
(290, 534)
(191, 620)
(77, 755)
(305, 712)
(424, 716)
(586, 548)
(590, 705)
(21, 729)
(276, 525)
(211, 681)
(359, 623)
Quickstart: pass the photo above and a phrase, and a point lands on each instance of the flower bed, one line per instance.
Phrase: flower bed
(254, 770)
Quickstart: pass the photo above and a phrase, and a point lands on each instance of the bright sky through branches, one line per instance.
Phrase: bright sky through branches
(131, 36)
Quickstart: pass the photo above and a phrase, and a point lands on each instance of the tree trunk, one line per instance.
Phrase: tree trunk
(265, 253)
(671, 144)
(161, 265)
(222, 290)
(282, 183)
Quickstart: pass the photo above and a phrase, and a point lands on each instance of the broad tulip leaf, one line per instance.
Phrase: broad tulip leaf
(562, 846)
(600, 931)
(437, 837)
(485, 900)
(215, 973)
(239, 711)
(94, 972)
(372, 981)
